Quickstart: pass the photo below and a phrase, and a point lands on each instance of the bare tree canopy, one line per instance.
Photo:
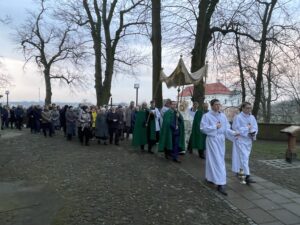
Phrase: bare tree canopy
(53, 45)
(113, 27)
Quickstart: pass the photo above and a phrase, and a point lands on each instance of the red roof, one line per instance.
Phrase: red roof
(210, 89)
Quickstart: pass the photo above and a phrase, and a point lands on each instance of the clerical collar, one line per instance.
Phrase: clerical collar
(215, 113)
(246, 115)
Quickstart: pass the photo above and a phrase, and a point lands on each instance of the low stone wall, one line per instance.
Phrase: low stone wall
(268, 131)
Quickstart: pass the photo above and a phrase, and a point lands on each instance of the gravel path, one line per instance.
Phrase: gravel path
(110, 184)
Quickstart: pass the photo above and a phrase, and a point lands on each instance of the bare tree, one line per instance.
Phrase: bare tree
(5, 79)
(156, 52)
(113, 27)
(48, 43)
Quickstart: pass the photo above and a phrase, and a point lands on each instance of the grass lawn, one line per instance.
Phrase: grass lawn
(265, 149)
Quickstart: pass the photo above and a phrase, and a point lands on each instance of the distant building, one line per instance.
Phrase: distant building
(230, 100)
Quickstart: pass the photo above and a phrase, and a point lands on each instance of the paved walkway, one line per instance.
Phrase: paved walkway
(264, 202)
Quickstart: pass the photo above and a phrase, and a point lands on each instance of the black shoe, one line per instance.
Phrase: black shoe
(116, 143)
(209, 182)
(150, 151)
(221, 189)
(105, 143)
(176, 160)
(249, 180)
(166, 156)
(201, 155)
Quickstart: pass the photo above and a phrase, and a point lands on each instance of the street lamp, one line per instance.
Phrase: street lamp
(7, 93)
(136, 86)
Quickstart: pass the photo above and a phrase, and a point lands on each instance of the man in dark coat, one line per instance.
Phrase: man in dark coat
(19, 113)
(114, 119)
(62, 117)
(172, 133)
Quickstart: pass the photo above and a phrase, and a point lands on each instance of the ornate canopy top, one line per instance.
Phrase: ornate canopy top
(181, 76)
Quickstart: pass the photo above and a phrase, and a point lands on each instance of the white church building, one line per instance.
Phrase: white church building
(217, 90)
(230, 99)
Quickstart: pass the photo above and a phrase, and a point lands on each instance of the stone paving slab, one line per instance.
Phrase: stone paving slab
(270, 185)
(259, 216)
(277, 198)
(285, 216)
(281, 164)
(242, 203)
(287, 193)
(297, 200)
(266, 204)
(252, 195)
(293, 207)
(273, 223)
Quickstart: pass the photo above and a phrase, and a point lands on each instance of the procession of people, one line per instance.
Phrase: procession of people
(151, 127)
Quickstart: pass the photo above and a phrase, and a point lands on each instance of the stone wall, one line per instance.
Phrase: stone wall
(272, 132)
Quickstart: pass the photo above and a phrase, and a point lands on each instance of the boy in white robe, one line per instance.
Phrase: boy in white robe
(246, 125)
(216, 126)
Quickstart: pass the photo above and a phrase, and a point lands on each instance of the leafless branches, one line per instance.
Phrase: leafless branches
(48, 42)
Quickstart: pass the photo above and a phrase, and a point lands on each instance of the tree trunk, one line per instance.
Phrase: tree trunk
(105, 93)
(203, 37)
(48, 86)
(269, 98)
(156, 53)
(265, 23)
(95, 26)
(98, 73)
(240, 68)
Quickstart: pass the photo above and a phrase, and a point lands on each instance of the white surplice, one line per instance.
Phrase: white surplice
(243, 144)
(215, 170)
(157, 117)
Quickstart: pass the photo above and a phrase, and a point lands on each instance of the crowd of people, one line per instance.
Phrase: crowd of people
(149, 127)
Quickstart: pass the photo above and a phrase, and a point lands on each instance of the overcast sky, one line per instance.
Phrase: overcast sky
(29, 85)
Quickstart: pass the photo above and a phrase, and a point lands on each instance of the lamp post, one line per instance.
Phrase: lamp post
(7, 93)
(136, 86)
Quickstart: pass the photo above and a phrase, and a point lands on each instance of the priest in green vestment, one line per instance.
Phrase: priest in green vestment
(144, 128)
(171, 139)
(197, 138)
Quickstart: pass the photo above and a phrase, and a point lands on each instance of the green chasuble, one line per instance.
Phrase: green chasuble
(165, 139)
(197, 139)
(144, 128)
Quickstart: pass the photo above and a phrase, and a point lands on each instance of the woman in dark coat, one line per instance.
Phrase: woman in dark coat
(70, 123)
(101, 129)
